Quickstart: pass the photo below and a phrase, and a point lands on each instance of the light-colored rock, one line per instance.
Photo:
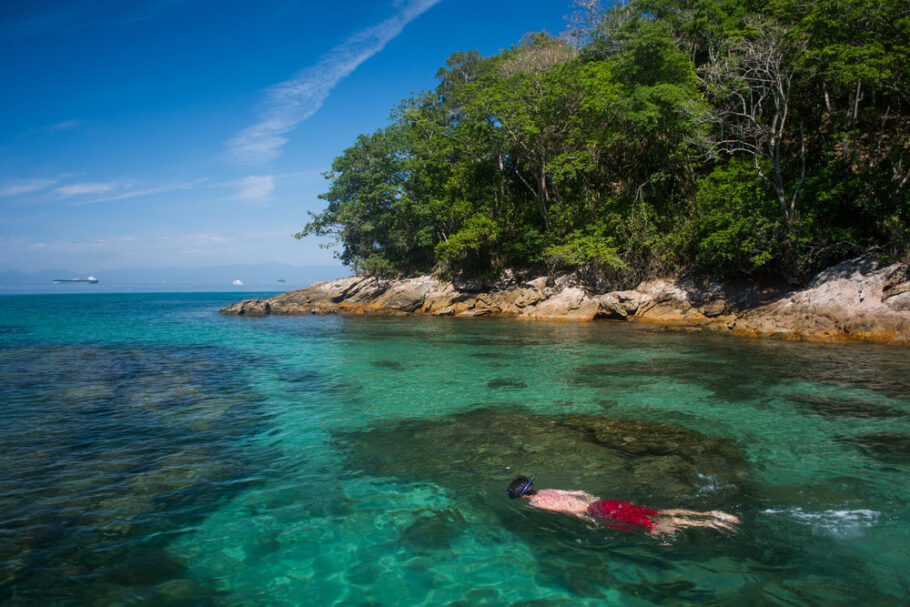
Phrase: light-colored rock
(855, 300)
(899, 302)
(665, 291)
(842, 303)
(572, 303)
(538, 284)
(623, 304)
(407, 296)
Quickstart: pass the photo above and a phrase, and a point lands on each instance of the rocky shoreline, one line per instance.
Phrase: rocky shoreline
(857, 300)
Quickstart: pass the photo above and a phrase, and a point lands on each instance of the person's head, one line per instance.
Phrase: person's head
(521, 486)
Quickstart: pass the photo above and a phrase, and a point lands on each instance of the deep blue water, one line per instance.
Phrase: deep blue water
(154, 452)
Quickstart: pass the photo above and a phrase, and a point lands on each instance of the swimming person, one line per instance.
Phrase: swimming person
(616, 514)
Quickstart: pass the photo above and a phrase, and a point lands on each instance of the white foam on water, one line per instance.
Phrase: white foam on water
(836, 523)
(710, 483)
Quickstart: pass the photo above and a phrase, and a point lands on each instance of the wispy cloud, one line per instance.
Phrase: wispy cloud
(255, 188)
(77, 246)
(289, 103)
(144, 192)
(48, 130)
(76, 16)
(199, 243)
(17, 187)
(63, 125)
(81, 189)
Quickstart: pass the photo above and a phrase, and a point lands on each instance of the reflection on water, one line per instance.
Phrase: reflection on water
(154, 452)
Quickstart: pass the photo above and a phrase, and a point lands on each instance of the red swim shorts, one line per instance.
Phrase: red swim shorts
(622, 515)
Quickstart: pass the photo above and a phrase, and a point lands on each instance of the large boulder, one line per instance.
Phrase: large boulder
(318, 298)
(844, 302)
(571, 303)
(249, 307)
(398, 296)
(623, 304)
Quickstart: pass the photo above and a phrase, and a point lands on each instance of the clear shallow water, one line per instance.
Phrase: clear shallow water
(157, 453)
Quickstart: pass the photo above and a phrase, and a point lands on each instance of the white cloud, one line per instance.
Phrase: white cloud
(25, 186)
(255, 188)
(65, 125)
(69, 247)
(80, 189)
(289, 103)
(146, 192)
(202, 238)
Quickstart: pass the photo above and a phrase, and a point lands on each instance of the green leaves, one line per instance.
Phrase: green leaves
(592, 249)
(602, 158)
(735, 227)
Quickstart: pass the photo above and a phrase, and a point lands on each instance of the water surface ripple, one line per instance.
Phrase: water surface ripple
(155, 452)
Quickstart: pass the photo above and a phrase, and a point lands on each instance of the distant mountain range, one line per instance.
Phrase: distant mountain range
(262, 276)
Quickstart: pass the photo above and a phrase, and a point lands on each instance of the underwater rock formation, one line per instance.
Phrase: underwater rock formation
(138, 442)
(835, 407)
(506, 382)
(625, 458)
(890, 447)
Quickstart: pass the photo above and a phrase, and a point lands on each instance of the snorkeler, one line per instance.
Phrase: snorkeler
(618, 515)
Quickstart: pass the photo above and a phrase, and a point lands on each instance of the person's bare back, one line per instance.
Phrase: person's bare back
(567, 502)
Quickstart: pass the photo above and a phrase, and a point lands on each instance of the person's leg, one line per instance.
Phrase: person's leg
(683, 512)
(723, 516)
(671, 520)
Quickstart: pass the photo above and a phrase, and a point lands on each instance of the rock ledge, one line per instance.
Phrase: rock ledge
(857, 300)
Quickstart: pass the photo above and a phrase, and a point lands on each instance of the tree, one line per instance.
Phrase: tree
(750, 85)
(590, 158)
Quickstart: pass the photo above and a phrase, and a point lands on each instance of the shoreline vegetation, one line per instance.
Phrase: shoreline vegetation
(750, 145)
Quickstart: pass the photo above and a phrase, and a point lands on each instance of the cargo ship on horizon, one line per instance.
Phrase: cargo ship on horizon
(89, 280)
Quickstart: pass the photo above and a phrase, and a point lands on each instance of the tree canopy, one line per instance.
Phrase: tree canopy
(732, 137)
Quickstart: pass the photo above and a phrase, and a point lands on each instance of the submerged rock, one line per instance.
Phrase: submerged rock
(506, 382)
(637, 437)
(433, 533)
(835, 407)
(147, 570)
(486, 447)
(139, 442)
(891, 447)
(394, 365)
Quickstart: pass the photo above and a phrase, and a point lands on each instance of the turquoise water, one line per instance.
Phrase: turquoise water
(154, 452)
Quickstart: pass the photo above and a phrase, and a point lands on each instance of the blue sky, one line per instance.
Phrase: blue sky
(193, 132)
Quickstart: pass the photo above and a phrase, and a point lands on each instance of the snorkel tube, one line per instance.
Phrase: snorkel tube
(521, 493)
(526, 487)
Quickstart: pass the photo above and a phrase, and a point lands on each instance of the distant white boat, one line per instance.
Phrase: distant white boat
(63, 281)
(237, 283)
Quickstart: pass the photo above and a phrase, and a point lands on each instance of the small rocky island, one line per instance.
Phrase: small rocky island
(857, 300)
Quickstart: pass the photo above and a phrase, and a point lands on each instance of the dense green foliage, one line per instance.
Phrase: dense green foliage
(728, 136)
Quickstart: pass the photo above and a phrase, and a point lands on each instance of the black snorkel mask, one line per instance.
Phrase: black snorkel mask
(523, 489)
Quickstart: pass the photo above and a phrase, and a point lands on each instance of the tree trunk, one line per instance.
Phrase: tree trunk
(543, 195)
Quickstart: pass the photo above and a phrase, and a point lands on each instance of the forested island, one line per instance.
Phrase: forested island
(761, 139)
(750, 143)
